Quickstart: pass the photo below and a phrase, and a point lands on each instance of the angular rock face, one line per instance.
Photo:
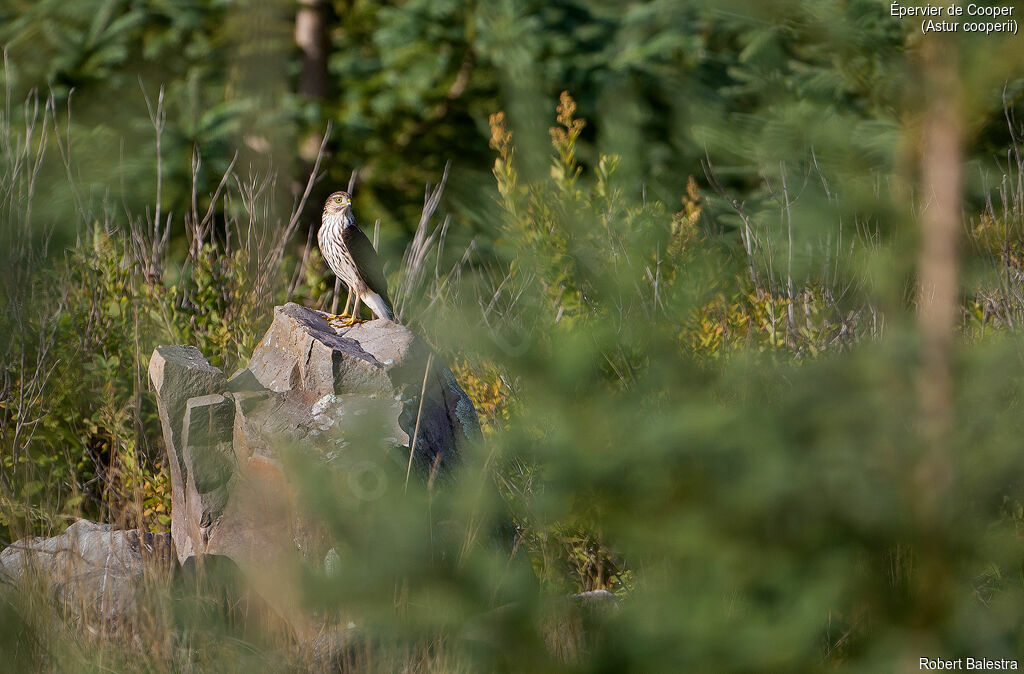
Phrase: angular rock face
(301, 354)
(306, 386)
(91, 570)
(180, 373)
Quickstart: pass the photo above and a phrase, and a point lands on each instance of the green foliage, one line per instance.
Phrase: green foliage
(711, 412)
(156, 79)
(571, 240)
(773, 508)
(97, 437)
(80, 430)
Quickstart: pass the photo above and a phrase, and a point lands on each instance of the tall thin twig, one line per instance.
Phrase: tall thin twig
(419, 417)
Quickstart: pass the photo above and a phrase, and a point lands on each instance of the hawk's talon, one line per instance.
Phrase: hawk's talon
(345, 321)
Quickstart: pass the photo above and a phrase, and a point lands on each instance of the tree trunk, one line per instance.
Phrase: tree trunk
(311, 36)
(938, 273)
(314, 80)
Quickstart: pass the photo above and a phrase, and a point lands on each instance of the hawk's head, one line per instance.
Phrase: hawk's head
(338, 203)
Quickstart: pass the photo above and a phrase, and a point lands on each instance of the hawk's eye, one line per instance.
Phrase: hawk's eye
(338, 199)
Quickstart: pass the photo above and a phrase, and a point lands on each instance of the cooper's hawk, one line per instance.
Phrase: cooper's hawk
(351, 256)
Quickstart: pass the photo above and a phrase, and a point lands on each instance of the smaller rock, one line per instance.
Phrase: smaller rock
(244, 381)
(206, 439)
(209, 459)
(596, 599)
(179, 373)
(91, 570)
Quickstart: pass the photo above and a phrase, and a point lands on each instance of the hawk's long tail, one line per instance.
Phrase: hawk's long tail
(378, 305)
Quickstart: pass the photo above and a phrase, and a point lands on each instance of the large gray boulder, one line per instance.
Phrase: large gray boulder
(91, 571)
(301, 354)
(307, 387)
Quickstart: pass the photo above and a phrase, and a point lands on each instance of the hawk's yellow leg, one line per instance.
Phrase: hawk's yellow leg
(354, 319)
(345, 319)
(343, 316)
